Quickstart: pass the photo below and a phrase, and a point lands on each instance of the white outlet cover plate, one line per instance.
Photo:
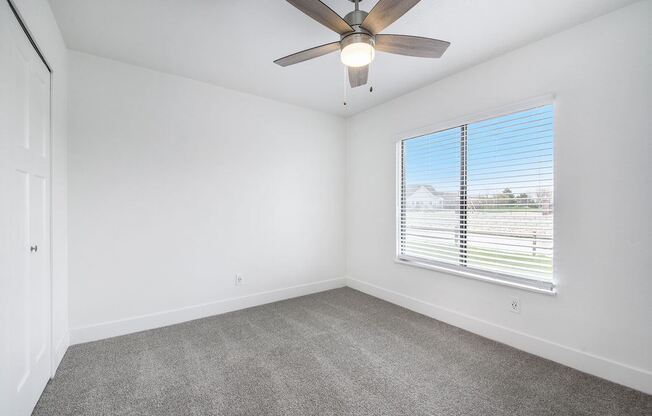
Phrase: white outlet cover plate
(515, 305)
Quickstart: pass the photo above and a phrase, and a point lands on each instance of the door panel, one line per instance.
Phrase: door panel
(39, 275)
(20, 285)
(26, 160)
(38, 102)
(19, 69)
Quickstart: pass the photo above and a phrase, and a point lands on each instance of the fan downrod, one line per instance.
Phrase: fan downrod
(356, 17)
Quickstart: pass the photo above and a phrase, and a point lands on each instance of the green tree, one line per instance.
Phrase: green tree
(507, 199)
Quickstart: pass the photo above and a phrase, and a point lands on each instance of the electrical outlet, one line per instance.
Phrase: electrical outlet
(239, 279)
(515, 305)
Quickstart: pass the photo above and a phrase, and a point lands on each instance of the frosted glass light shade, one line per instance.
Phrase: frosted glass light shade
(357, 54)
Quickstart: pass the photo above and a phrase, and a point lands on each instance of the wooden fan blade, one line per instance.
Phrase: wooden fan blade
(411, 45)
(358, 75)
(323, 14)
(311, 53)
(386, 12)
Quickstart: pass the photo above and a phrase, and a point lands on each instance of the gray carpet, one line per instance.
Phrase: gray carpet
(339, 352)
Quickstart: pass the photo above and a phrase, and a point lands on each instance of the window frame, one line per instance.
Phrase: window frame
(539, 286)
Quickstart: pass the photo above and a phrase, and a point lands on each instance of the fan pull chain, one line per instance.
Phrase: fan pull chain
(345, 90)
(370, 79)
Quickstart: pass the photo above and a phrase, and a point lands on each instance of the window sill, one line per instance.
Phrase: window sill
(478, 276)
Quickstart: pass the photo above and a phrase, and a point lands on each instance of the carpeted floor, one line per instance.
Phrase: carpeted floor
(339, 352)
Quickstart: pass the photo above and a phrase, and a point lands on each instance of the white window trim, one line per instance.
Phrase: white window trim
(549, 288)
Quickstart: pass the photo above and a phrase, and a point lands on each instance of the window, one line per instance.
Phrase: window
(477, 199)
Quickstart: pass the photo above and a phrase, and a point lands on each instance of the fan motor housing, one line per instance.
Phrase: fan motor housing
(357, 37)
(355, 18)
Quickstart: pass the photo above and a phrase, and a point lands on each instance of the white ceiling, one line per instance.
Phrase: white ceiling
(233, 43)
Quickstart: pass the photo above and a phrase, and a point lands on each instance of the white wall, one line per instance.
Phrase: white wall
(600, 321)
(38, 17)
(177, 185)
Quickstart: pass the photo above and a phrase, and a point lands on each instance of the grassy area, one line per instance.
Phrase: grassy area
(506, 208)
(510, 264)
(515, 241)
(502, 261)
(541, 260)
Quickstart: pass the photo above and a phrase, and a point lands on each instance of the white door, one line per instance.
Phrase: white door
(25, 137)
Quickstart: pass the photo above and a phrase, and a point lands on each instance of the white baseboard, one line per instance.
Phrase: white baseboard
(620, 373)
(175, 316)
(58, 353)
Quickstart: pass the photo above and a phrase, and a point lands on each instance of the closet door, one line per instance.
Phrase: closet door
(26, 185)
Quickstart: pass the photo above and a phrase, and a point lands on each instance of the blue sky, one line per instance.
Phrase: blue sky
(514, 151)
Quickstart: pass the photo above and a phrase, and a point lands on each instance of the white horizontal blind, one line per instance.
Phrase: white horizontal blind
(430, 196)
(478, 198)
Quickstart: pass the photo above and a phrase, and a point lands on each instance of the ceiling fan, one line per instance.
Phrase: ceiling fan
(359, 37)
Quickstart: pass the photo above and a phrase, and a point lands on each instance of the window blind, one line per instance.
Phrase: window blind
(478, 198)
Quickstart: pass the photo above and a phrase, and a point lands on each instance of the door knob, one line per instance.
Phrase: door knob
(33, 248)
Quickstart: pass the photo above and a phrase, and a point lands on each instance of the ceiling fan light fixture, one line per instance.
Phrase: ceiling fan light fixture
(360, 36)
(357, 50)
